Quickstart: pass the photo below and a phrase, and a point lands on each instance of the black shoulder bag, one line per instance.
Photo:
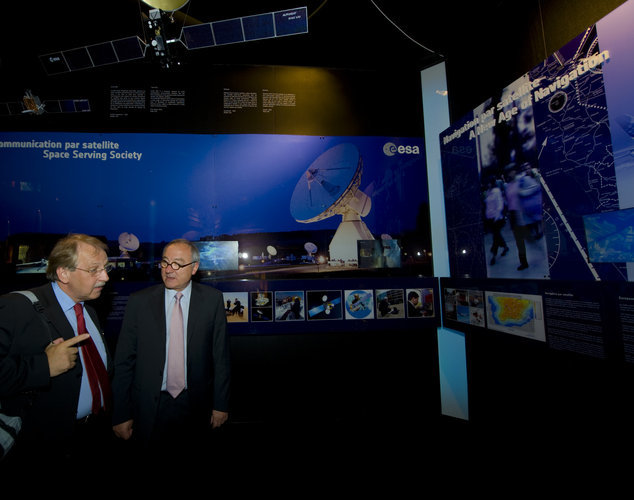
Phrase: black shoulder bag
(10, 425)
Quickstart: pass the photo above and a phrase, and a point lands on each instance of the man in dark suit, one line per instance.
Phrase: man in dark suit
(43, 375)
(144, 411)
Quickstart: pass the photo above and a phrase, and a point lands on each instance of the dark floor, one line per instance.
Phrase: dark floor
(387, 457)
(416, 459)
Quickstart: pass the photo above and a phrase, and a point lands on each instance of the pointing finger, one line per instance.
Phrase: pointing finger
(76, 340)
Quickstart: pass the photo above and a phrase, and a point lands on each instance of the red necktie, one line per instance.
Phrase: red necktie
(176, 353)
(97, 375)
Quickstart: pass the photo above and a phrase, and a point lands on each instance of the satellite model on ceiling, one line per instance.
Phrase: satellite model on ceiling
(161, 44)
(330, 186)
(31, 104)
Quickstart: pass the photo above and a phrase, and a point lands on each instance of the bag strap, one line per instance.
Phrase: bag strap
(29, 295)
(38, 307)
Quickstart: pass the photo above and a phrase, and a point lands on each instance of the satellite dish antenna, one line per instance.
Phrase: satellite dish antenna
(310, 248)
(271, 250)
(128, 242)
(166, 5)
(330, 186)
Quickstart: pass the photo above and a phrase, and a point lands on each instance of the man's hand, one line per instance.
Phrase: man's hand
(218, 418)
(123, 430)
(62, 356)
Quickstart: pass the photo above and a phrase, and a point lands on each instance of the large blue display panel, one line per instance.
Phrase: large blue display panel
(523, 169)
(164, 186)
(261, 208)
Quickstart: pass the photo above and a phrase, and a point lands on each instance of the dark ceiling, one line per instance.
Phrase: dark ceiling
(342, 33)
(357, 34)
(486, 44)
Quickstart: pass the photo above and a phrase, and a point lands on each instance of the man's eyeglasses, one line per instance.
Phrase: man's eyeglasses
(95, 271)
(175, 265)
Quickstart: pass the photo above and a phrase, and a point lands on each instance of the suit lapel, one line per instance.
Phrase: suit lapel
(54, 312)
(194, 307)
(59, 321)
(158, 304)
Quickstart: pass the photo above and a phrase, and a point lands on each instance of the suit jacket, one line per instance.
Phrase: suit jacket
(141, 353)
(47, 405)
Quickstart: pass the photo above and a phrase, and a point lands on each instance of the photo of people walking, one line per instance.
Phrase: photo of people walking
(513, 213)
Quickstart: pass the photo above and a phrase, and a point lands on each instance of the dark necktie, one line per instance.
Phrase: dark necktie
(93, 364)
(176, 353)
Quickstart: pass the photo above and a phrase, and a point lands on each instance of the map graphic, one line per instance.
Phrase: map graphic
(516, 314)
(576, 160)
(464, 223)
(610, 236)
(510, 311)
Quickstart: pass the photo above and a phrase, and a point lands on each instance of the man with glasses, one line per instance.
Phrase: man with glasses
(147, 411)
(46, 363)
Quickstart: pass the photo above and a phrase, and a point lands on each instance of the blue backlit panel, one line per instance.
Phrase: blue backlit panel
(128, 49)
(199, 36)
(124, 49)
(102, 54)
(229, 31)
(246, 29)
(291, 22)
(258, 27)
(54, 63)
(77, 59)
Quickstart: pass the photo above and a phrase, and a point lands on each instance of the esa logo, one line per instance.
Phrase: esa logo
(391, 149)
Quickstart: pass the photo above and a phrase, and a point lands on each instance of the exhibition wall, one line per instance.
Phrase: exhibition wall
(537, 192)
(230, 156)
(300, 185)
